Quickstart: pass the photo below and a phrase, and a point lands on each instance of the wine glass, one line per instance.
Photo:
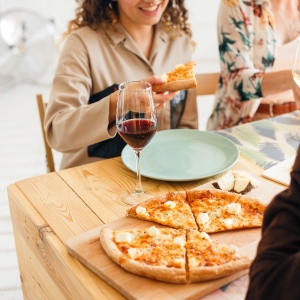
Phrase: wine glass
(296, 75)
(136, 122)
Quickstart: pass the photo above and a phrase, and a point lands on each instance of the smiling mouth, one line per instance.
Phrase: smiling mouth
(150, 8)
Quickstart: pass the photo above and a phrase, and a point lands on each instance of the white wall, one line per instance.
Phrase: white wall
(59, 10)
(203, 16)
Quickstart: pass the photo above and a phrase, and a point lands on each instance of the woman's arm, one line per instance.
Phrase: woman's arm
(159, 98)
(275, 271)
(241, 75)
(71, 122)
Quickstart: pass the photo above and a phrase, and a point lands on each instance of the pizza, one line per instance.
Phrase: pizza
(171, 255)
(206, 210)
(217, 210)
(181, 78)
(154, 253)
(208, 259)
(170, 209)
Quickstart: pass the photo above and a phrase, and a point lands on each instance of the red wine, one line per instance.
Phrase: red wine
(137, 133)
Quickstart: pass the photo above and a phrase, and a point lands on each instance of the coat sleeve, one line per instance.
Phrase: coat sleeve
(68, 110)
(275, 271)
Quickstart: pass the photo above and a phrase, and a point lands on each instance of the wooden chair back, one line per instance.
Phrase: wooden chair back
(49, 155)
(207, 83)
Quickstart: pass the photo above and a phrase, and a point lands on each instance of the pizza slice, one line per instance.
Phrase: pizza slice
(171, 255)
(207, 259)
(157, 253)
(170, 209)
(217, 210)
(181, 78)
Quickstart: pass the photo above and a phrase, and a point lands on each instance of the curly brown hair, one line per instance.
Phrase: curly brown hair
(95, 13)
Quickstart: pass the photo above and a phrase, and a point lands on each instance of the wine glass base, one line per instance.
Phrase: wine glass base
(133, 198)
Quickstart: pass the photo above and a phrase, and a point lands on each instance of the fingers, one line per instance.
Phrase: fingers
(155, 79)
(160, 99)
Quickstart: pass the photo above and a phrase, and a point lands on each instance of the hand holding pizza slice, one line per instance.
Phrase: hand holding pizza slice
(181, 78)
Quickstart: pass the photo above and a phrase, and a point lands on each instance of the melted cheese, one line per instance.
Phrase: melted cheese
(232, 249)
(170, 204)
(203, 218)
(233, 208)
(140, 210)
(124, 237)
(179, 240)
(205, 236)
(153, 231)
(133, 253)
(228, 222)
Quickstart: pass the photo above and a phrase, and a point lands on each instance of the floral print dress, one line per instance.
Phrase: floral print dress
(246, 49)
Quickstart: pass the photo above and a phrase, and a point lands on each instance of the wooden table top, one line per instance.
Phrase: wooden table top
(50, 209)
(67, 203)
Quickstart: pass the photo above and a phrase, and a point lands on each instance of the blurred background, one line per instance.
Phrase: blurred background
(29, 31)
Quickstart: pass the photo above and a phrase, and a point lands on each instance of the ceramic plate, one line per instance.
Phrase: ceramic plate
(183, 155)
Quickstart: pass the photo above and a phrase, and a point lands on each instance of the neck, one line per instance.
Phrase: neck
(142, 35)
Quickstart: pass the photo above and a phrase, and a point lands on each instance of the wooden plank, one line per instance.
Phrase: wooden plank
(63, 210)
(46, 268)
(36, 282)
(33, 263)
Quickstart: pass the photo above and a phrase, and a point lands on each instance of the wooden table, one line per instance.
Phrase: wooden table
(48, 210)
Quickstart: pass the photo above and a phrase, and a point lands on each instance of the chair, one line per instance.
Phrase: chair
(207, 83)
(49, 155)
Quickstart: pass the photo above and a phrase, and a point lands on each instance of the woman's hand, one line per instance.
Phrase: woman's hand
(160, 98)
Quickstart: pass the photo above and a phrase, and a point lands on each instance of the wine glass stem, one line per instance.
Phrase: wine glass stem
(138, 189)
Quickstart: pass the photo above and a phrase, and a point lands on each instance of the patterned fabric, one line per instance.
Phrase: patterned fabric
(266, 142)
(246, 49)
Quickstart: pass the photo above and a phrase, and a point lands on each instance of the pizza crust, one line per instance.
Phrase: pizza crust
(172, 275)
(175, 86)
(106, 240)
(181, 78)
(208, 273)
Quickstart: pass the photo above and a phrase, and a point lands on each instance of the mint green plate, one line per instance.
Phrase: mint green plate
(183, 155)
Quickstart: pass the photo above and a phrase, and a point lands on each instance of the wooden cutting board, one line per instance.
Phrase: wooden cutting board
(87, 249)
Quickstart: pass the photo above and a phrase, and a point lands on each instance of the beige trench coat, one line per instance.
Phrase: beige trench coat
(90, 62)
